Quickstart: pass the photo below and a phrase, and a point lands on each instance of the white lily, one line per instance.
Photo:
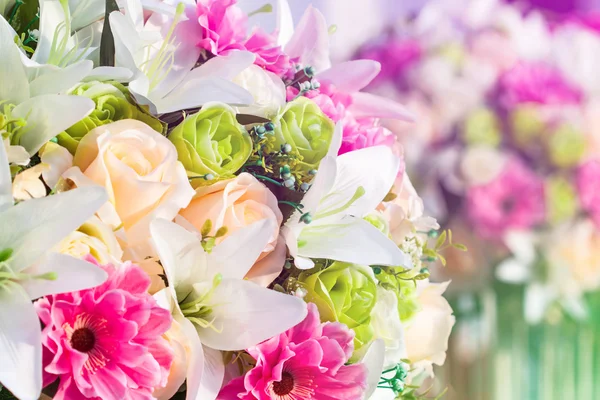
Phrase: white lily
(345, 189)
(214, 307)
(36, 100)
(162, 53)
(29, 270)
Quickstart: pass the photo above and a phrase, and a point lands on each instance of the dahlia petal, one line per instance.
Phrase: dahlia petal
(67, 390)
(340, 333)
(109, 383)
(349, 384)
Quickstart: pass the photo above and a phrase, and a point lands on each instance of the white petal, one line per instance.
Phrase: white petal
(522, 245)
(15, 86)
(310, 42)
(118, 74)
(234, 257)
(53, 27)
(352, 240)
(181, 255)
(6, 199)
(247, 314)
(285, 22)
(303, 263)
(49, 115)
(351, 76)
(373, 360)
(60, 80)
(59, 159)
(373, 168)
(212, 374)
(72, 275)
(20, 344)
(537, 299)
(513, 271)
(191, 94)
(196, 360)
(34, 226)
(226, 67)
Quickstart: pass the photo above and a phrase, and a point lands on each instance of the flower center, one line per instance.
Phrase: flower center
(285, 385)
(83, 340)
(508, 205)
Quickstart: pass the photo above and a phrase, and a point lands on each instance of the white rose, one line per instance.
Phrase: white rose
(267, 89)
(481, 164)
(427, 334)
(386, 325)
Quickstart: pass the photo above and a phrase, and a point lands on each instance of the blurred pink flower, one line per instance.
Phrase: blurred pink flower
(588, 187)
(307, 362)
(223, 29)
(514, 200)
(537, 83)
(106, 342)
(395, 55)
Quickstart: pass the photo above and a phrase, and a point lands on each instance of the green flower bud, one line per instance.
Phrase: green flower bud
(377, 219)
(482, 127)
(345, 293)
(566, 146)
(113, 103)
(561, 199)
(306, 129)
(212, 142)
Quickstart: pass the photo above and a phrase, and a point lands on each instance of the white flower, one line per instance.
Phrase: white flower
(29, 270)
(267, 89)
(31, 96)
(28, 185)
(216, 309)
(344, 191)
(386, 325)
(481, 164)
(162, 54)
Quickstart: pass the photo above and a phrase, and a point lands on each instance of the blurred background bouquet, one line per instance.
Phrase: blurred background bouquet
(505, 151)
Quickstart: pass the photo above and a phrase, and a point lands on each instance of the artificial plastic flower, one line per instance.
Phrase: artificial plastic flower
(345, 189)
(106, 342)
(29, 270)
(215, 307)
(306, 362)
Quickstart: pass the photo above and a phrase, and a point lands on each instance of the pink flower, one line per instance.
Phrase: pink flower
(365, 132)
(395, 55)
(268, 54)
(307, 362)
(588, 186)
(515, 199)
(223, 25)
(106, 343)
(223, 29)
(329, 100)
(537, 83)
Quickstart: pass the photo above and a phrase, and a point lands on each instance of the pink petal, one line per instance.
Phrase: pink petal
(351, 76)
(366, 105)
(310, 43)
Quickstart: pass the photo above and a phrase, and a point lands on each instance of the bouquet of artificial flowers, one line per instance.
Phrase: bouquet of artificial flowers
(193, 207)
(507, 142)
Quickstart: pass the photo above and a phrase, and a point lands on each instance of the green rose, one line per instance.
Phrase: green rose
(306, 129)
(113, 103)
(482, 127)
(566, 146)
(212, 142)
(405, 290)
(561, 199)
(526, 125)
(345, 293)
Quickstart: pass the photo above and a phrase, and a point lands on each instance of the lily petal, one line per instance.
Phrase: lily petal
(15, 85)
(6, 199)
(37, 225)
(226, 67)
(352, 240)
(49, 115)
(367, 105)
(234, 257)
(351, 76)
(285, 22)
(212, 374)
(20, 343)
(245, 316)
(310, 42)
(59, 80)
(72, 275)
(196, 360)
(373, 360)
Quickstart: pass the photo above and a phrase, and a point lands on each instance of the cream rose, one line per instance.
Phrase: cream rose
(236, 203)
(138, 167)
(426, 335)
(94, 238)
(267, 89)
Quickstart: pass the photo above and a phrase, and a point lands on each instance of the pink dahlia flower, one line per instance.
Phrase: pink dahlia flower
(514, 200)
(537, 83)
(223, 29)
(588, 186)
(366, 132)
(307, 362)
(106, 343)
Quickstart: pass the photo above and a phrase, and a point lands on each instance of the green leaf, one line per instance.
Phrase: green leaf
(459, 246)
(441, 240)
(247, 119)
(442, 259)
(107, 41)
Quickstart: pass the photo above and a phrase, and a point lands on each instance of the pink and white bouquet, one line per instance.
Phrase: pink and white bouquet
(194, 207)
(506, 143)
